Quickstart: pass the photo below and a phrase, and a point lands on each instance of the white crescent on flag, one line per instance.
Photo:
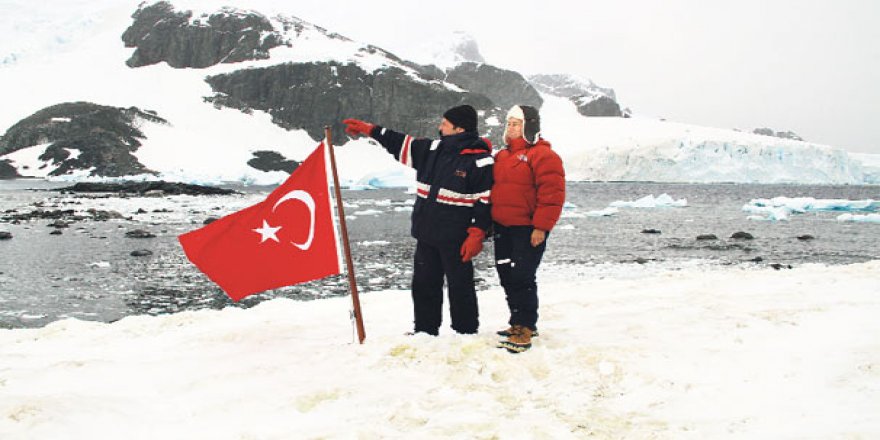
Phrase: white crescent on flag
(310, 203)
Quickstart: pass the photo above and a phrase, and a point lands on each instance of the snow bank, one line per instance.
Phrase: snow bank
(692, 353)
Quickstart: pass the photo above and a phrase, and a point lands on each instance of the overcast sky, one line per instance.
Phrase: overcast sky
(808, 66)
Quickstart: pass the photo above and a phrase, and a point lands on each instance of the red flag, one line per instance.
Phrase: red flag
(288, 238)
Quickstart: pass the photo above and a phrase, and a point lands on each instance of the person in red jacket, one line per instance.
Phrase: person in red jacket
(526, 199)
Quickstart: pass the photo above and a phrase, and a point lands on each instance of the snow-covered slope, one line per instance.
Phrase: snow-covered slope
(72, 51)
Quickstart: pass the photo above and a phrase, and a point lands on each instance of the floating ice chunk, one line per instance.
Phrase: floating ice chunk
(100, 264)
(772, 213)
(569, 205)
(810, 204)
(567, 227)
(607, 212)
(868, 218)
(367, 212)
(662, 201)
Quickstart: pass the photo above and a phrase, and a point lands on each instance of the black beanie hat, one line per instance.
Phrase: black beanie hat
(463, 116)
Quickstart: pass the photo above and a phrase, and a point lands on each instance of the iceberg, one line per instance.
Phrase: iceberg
(397, 177)
(662, 201)
(779, 208)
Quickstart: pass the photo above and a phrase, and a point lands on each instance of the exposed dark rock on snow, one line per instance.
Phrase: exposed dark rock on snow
(56, 232)
(780, 134)
(742, 236)
(707, 237)
(157, 188)
(272, 161)
(505, 88)
(590, 99)
(5, 235)
(7, 171)
(651, 231)
(140, 233)
(591, 105)
(209, 220)
(311, 95)
(160, 33)
(63, 217)
(779, 266)
(141, 253)
(805, 237)
(83, 136)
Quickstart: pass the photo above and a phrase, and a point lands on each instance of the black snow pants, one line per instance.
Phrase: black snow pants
(432, 264)
(517, 263)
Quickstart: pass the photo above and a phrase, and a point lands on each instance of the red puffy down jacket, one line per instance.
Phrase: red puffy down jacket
(529, 185)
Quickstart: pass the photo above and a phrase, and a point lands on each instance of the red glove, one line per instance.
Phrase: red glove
(356, 126)
(473, 244)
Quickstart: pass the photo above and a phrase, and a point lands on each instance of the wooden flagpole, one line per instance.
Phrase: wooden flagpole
(352, 282)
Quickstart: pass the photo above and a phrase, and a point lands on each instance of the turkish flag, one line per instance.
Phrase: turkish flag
(288, 238)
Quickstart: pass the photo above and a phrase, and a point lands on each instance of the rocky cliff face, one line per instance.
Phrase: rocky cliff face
(505, 88)
(590, 99)
(83, 136)
(7, 171)
(160, 33)
(309, 96)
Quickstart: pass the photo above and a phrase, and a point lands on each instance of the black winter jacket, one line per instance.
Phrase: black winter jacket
(454, 182)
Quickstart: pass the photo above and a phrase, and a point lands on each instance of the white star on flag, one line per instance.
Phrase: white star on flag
(267, 232)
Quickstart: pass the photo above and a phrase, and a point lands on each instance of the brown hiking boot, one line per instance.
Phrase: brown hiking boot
(509, 331)
(520, 339)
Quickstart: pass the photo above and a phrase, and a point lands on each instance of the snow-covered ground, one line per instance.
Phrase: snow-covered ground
(693, 353)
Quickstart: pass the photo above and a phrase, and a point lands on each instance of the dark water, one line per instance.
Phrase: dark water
(88, 272)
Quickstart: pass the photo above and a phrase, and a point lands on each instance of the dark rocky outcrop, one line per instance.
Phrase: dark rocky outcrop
(651, 231)
(505, 88)
(742, 236)
(160, 33)
(141, 253)
(592, 105)
(7, 171)
(272, 161)
(5, 235)
(147, 188)
(83, 136)
(805, 237)
(707, 237)
(309, 96)
(140, 233)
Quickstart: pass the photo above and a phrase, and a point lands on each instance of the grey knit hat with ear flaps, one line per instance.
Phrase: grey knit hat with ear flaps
(531, 122)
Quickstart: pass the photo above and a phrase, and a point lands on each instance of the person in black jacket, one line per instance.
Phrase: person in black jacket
(451, 214)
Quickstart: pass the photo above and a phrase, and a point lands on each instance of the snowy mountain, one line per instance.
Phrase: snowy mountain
(590, 99)
(231, 87)
(449, 50)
